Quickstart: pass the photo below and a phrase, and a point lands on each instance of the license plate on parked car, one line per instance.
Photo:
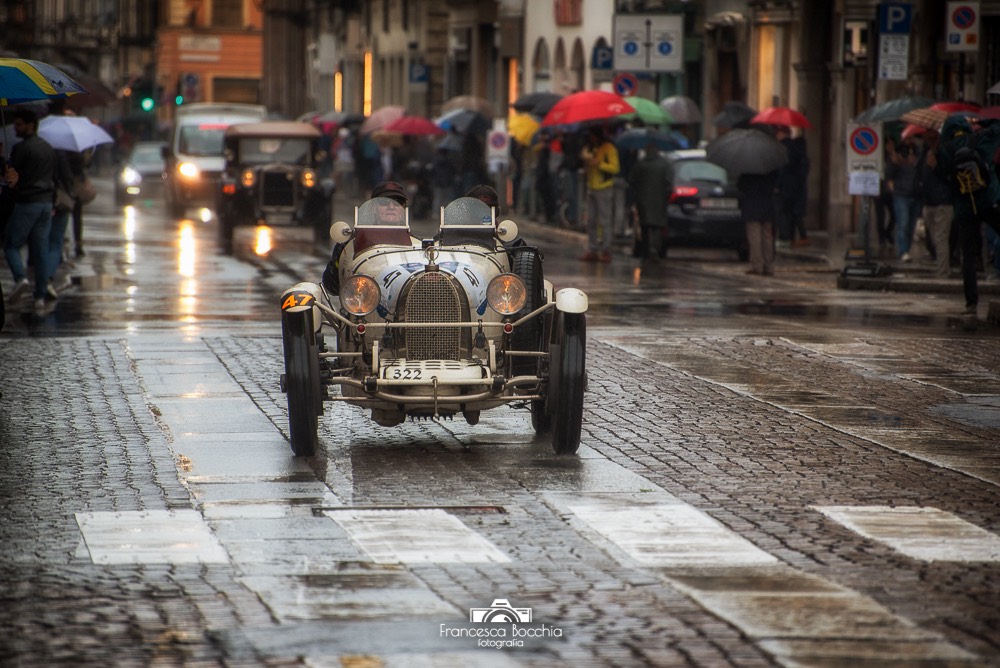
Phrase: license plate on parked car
(720, 203)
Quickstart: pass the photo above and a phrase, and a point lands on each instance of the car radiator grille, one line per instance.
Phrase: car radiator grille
(277, 189)
(433, 298)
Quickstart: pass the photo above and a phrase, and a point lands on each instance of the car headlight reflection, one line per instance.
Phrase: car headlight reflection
(360, 295)
(506, 294)
(188, 170)
(131, 177)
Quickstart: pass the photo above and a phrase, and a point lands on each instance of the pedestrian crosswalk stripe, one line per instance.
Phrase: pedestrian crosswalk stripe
(415, 536)
(150, 537)
(928, 534)
(664, 531)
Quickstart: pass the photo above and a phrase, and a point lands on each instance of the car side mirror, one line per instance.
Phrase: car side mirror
(341, 232)
(507, 230)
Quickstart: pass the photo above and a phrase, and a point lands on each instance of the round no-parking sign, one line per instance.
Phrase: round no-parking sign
(864, 147)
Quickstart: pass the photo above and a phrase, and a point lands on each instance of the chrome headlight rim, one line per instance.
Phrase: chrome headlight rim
(506, 294)
(360, 295)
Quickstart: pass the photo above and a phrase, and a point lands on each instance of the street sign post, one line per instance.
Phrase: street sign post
(625, 84)
(894, 23)
(648, 43)
(962, 25)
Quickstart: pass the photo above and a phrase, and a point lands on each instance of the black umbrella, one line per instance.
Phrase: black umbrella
(734, 115)
(893, 109)
(637, 138)
(542, 99)
(747, 151)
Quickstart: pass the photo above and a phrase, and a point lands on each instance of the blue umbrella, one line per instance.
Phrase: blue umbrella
(29, 80)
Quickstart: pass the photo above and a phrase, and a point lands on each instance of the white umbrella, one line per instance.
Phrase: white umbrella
(72, 133)
(682, 109)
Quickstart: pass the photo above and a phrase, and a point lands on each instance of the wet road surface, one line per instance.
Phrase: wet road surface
(773, 472)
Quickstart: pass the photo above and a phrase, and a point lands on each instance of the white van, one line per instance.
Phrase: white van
(193, 157)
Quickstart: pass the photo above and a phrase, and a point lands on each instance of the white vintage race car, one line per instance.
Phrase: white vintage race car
(457, 324)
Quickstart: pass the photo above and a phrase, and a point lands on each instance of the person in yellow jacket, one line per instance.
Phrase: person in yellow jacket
(600, 158)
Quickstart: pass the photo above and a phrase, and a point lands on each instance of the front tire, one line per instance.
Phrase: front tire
(568, 381)
(302, 382)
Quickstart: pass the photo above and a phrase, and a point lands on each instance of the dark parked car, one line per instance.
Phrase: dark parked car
(272, 177)
(141, 175)
(704, 207)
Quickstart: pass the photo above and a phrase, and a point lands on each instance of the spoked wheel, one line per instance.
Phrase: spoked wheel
(567, 381)
(302, 382)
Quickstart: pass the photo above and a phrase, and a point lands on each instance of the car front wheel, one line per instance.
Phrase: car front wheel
(301, 381)
(568, 381)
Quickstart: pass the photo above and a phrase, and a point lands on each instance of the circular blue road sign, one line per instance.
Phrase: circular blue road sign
(631, 48)
(665, 48)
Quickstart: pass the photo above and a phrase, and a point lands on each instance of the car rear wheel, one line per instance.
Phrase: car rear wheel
(301, 381)
(568, 381)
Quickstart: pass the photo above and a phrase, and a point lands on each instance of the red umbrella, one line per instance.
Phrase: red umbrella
(989, 112)
(413, 125)
(782, 116)
(953, 107)
(587, 105)
(912, 130)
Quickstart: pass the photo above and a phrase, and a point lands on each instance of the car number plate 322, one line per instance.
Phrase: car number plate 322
(719, 203)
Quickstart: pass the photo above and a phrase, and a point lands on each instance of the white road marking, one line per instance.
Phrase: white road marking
(419, 536)
(666, 533)
(927, 534)
(150, 537)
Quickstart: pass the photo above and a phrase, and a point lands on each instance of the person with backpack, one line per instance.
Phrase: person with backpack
(965, 161)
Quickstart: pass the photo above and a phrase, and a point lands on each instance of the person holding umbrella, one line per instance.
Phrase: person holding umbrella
(600, 158)
(31, 173)
(651, 188)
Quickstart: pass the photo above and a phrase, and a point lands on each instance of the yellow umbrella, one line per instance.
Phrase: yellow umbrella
(522, 128)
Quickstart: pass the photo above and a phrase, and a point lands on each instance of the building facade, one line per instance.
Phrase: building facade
(295, 56)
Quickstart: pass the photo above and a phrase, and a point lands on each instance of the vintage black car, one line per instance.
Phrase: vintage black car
(273, 177)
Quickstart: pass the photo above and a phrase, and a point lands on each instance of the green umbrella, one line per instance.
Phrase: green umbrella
(649, 112)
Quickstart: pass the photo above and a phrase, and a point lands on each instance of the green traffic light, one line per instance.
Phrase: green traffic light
(147, 104)
(179, 100)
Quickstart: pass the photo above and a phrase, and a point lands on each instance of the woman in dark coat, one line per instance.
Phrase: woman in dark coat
(649, 180)
(757, 193)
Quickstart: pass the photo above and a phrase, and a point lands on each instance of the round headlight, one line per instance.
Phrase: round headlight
(506, 294)
(360, 295)
(188, 170)
(308, 178)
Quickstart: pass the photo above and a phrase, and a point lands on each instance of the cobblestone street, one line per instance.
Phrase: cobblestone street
(758, 485)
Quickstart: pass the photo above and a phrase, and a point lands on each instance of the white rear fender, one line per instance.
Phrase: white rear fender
(571, 300)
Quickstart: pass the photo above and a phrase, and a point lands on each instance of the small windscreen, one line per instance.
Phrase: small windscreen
(264, 150)
(381, 211)
(468, 211)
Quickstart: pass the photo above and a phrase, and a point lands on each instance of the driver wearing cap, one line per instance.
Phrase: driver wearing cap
(391, 214)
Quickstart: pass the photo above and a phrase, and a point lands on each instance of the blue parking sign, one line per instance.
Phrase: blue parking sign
(895, 18)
